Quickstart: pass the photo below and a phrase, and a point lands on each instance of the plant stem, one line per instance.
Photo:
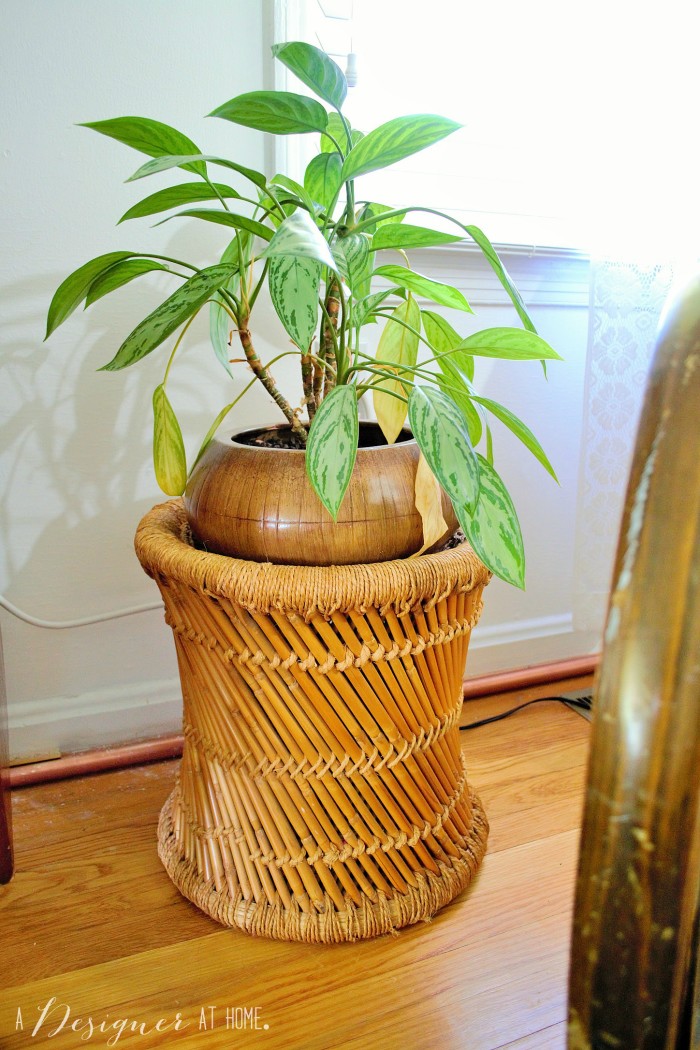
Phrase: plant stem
(265, 377)
(329, 341)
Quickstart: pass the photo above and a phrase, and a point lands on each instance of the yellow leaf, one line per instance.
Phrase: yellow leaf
(429, 505)
(397, 346)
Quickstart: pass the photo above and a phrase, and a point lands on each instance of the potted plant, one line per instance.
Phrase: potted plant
(353, 682)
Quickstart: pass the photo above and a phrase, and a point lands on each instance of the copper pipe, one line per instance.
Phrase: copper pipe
(523, 677)
(97, 761)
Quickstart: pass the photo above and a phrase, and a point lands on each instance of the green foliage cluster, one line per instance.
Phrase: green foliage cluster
(313, 246)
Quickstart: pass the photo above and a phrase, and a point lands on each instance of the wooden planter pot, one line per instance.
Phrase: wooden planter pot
(322, 794)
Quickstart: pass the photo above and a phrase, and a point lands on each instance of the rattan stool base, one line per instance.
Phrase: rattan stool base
(368, 919)
(322, 794)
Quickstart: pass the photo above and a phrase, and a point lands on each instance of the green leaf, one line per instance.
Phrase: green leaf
(119, 274)
(521, 431)
(165, 163)
(363, 309)
(443, 294)
(336, 128)
(220, 320)
(453, 383)
(443, 339)
(322, 178)
(402, 235)
(169, 459)
(379, 210)
(352, 254)
(499, 269)
(223, 218)
(71, 292)
(443, 438)
(493, 529)
(278, 112)
(150, 137)
(294, 284)
(297, 191)
(315, 69)
(220, 325)
(512, 344)
(211, 432)
(299, 236)
(174, 196)
(332, 447)
(397, 345)
(185, 302)
(391, 142)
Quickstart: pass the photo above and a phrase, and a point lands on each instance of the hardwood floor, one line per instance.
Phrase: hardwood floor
(92, 925)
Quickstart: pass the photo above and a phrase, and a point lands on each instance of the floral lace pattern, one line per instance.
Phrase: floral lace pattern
(625, 305)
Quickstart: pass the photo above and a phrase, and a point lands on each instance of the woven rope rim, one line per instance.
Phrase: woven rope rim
(164, 548)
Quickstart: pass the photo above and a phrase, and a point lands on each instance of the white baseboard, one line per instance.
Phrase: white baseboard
(515, 631)
(94, 719)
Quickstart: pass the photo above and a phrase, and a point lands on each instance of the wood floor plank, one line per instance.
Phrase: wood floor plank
(92, 921)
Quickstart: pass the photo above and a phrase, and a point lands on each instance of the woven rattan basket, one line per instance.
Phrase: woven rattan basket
(322, 794)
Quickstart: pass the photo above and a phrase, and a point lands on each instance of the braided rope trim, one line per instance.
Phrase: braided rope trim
(165, 552)
(335, 767)
(246, 658)
(371, 919)
(334, 855)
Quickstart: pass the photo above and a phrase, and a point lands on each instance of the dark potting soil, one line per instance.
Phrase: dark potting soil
(283, 437)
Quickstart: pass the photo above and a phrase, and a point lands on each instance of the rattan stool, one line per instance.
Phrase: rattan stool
(322, 794)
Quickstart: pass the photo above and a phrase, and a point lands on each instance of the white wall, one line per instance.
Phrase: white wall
(75, 470)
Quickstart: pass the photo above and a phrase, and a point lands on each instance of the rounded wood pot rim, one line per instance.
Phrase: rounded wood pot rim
(164, 550)
(233, 435)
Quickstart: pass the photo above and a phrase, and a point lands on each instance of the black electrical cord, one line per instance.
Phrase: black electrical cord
(584, 702)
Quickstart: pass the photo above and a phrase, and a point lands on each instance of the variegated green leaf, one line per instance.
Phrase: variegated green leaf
(351, 253)
(443, 438)
(168, 447)
(300, 237)
(299, 194)
(294, 285)
(71, 292)
(322, 178)
(212, 431)
(493, 528)
(174, 196)
(336, 128)
(221, 323)
(332, 447)
(377, 211)
(119, 274)
(491, 255)
(277, 112)
(315, 69)
(512, 344)
(365, 307)
(185, 302)
(151, 137)
(456, 386)
(402, 235)
(391, 142)
(165, 163)
(521, 431)
(224, 218)
(444, 294)
(398, 345)
(443, 339)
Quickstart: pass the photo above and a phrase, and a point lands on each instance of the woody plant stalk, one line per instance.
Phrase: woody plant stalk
(312, 248)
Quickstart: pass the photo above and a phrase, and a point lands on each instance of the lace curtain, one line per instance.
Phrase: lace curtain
(626, 302)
